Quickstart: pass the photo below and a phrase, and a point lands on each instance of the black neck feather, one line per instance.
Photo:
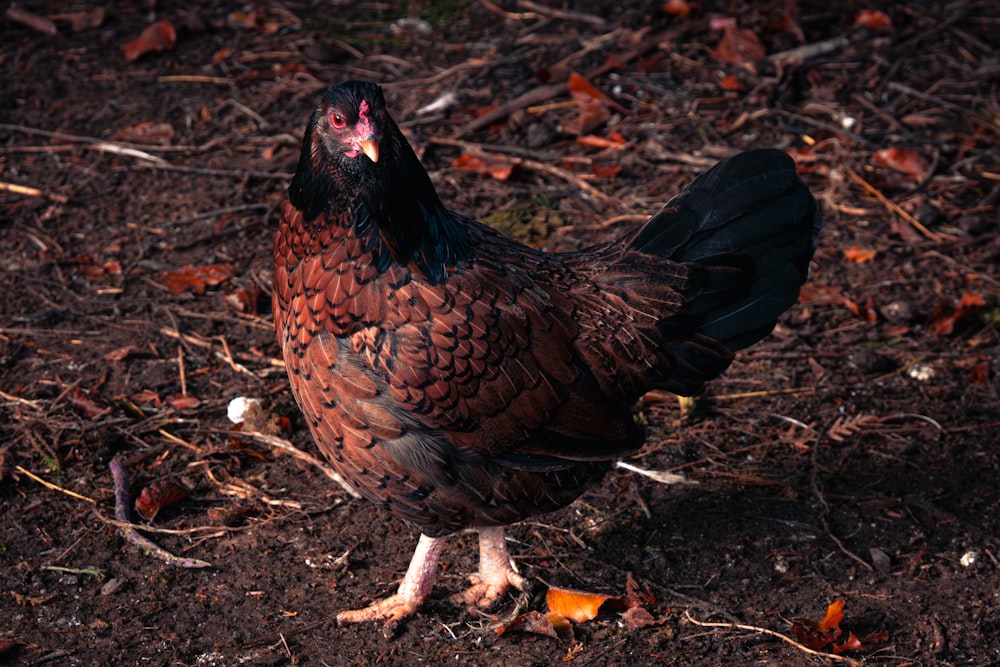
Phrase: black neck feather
(392, 204)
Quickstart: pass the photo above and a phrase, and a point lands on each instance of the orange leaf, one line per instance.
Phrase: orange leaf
(497, 167)
(577, 606)
(739, 46)
(121, 353)
(195, 278)
(582, 90)
(851, 644)
(834, 615)
(905, 160)
(160, 36)
(614, 140)
(859, 254)
(970, 299)
(606, 170)
(676, 8)
(873, 20)
(732, 83)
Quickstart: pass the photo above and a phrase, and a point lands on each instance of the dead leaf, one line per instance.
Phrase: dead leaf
(676, 8)
(497, 167)
(637, 617)
(947, 316)
(818, 635)
(859, 254)
(86, 404)
(582, 90)
(905, 160)
(576, 606)
(534, 622)
(121, 353)
(156, 496)
(873, 20)
(183, 402)
(195, 278)
(160, 36)
(147, 396)
(146, 133)
(851, 644)
(739, 47)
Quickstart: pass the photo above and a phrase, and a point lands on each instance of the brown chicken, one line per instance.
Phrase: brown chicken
(460, 379)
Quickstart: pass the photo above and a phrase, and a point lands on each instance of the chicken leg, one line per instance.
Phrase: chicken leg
(495, 576)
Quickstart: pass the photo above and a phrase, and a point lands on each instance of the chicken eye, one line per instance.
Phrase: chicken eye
(337, 120)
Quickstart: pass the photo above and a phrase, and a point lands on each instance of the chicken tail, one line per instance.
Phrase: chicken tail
(751, 225)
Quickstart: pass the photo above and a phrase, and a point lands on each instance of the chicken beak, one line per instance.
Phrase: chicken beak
(369, 148)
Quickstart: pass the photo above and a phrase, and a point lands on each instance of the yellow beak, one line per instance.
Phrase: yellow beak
(369, 148)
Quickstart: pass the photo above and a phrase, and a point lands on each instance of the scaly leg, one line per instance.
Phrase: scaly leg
(412, 592)
(495, 572)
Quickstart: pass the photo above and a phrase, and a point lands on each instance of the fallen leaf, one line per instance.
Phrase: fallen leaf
(739, 47)
(606, 170)
(121, 353)
(946, 316)
(582, 90)
(905, 160)
(160, 36)
(859, 254)
(851, 644)
(146, 133)
(183, 402)
(818, 635)
(156, 496)
(832, 618)
(576, 606)
(534, 622)
(676, 8)
(637, 617)
(86, 404)
(980, 373)
(497, 167)
(147, 396)
(731, 82)
(873, 19)
(195, 278)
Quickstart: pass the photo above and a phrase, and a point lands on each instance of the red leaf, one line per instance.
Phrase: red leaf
(156, 496)
(637, 617)
(85, 404)
(905, 160)
(873, 20)
(195, 278)
(739, 46)
(582, 90)
(980, 373)
(183, 402)
(732, 83)
(160, 36)
(534, 622)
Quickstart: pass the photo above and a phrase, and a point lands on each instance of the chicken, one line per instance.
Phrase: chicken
(462, 380)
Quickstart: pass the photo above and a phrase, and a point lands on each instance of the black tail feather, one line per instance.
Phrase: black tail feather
(752, 225)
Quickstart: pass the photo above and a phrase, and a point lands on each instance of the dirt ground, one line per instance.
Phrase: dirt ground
(851, 456)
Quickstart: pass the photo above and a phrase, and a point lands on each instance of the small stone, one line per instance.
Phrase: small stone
(111, 586)
(880, 560)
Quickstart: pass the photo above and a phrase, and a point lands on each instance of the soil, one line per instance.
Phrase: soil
(853, 455)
